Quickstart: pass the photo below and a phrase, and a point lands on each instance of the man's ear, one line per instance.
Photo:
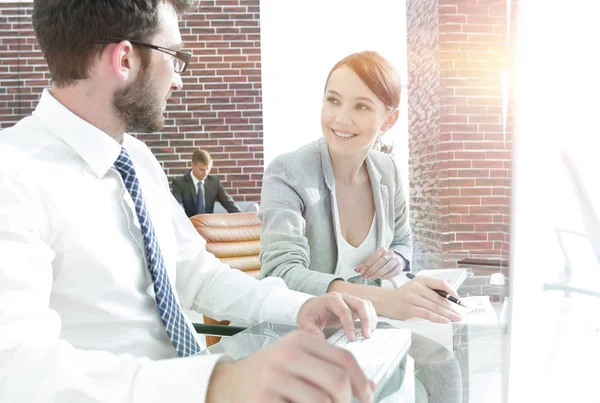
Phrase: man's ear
(390, 121)
(123, 60)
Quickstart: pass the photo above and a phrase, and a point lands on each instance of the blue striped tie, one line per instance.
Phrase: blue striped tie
(177, 329)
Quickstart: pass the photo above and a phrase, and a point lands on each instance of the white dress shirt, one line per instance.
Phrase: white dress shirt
(78, 320)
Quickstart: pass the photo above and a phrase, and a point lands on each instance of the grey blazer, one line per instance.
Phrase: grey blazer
(299, 211)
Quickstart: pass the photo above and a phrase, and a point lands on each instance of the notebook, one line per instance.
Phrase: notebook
(454, 276)
(479, 311)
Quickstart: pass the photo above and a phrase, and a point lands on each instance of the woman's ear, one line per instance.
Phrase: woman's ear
(390, 121)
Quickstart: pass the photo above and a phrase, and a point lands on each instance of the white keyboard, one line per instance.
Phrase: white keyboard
(377, 355)
(454, 276)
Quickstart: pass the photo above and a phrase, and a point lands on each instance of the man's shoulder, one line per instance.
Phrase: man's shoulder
(26, 133)
(212, 178)
(26, 145)
(180, 180)
(14, 160)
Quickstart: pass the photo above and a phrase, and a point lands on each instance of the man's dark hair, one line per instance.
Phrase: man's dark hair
(66, 30)
(201, 156)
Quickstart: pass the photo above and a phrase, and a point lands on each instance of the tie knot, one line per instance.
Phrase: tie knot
(123, 162)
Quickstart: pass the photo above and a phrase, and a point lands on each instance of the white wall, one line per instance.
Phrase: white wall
(554, 336)
(300, 41)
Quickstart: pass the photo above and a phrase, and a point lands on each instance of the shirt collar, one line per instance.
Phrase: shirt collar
(195, 180)
(94, 146)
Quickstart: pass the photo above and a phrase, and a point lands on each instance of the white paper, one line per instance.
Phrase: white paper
(479, 311)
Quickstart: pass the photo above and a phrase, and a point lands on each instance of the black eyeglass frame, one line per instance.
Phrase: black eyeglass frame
(181, 55)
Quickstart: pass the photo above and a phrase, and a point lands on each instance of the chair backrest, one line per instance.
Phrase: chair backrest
(233, 238)
(243, 205)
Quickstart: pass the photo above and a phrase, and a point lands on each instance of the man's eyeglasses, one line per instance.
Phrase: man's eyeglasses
(181, 59)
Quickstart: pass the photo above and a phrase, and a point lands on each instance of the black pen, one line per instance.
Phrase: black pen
(443, 294)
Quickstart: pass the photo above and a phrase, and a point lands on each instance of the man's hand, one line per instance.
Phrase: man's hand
(416, 299)
(382, 263)
(301, 367)
(333, 309)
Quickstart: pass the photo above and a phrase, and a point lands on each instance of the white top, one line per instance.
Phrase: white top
(73, 274)
(349, 257)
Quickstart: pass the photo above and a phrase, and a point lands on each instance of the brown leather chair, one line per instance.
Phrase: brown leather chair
(234, 239)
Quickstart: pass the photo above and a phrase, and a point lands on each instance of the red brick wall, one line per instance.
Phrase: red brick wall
(219, 108)
(424, 134)
(460, 164)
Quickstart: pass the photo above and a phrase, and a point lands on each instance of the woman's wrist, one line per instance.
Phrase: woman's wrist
(380, 300)
(377, 295)
(336, 286)
(405, 263)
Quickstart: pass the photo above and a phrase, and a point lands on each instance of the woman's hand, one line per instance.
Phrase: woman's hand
(417, 299)
(383, 263)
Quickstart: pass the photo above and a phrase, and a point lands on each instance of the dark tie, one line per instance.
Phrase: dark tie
(200, 199)
(168, 308)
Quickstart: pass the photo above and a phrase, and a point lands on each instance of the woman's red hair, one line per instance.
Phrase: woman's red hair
(377, 73)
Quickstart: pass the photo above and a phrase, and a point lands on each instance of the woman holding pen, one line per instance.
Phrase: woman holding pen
(334, 216)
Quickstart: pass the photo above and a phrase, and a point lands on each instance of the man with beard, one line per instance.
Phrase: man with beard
(97, 259)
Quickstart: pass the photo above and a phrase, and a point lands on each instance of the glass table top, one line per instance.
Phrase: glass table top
(455, 362)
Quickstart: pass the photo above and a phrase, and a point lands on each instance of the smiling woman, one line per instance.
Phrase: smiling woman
(334, 212)
(362, 93)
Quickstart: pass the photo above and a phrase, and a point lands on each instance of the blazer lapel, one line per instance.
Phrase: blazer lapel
(381, 200)
(190, 187)
(330, 183)
(326, 163)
